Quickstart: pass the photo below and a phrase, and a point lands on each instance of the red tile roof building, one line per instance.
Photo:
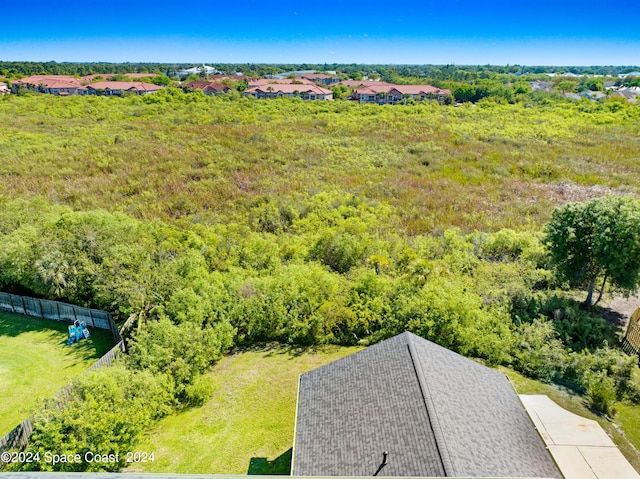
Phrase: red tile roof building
(278, 90)
(52, 84)
(207, 87)
(118, 88)
(391, 94)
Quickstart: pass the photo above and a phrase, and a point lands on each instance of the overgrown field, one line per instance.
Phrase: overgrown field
(247, 425)
(484, 166)
(227, 222)
(36, 363)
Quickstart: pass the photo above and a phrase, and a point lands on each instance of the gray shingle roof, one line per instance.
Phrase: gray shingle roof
(437, 414)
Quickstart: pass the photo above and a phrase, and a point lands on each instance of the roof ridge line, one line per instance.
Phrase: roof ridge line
(438, 434)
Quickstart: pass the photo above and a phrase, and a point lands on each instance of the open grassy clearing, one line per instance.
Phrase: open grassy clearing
(35, 363)
(624, 429)
(481, 167)
(249, 421)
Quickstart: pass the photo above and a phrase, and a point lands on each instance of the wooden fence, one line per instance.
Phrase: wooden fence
(631, 343)
(57, 311)
(18, 437)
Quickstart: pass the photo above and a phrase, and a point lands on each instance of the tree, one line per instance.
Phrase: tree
(567, 86)
(597, 240)
(463, 92)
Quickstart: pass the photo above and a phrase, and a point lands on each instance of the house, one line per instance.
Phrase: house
(279, 90)
(593, 95)
(4, 89)
(541, 85)
(391, 94)
(51, 84)
(119, 88)
(629, 95)
(408, 407)
(206, 87)
(630, 74)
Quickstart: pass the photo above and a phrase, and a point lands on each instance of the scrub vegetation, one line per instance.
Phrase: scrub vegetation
(227, 222)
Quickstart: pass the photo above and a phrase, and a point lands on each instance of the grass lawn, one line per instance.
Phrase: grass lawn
(247, 426)
(624, 429)
(35, 363)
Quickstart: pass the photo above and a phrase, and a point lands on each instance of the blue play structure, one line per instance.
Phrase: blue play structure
(77, 331)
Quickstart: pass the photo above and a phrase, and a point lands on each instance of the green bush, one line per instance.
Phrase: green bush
(601, 392)
(537, 352)
(199, 391)
(104, 414)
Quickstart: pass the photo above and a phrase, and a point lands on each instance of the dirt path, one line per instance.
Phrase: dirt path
(618, 309)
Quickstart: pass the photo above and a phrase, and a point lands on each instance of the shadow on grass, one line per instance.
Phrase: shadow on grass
(273, 349)
(280, 466)
(57, 332)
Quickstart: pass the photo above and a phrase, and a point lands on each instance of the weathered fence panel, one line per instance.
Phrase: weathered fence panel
(18, 437)
(631, 343)
(57, 311)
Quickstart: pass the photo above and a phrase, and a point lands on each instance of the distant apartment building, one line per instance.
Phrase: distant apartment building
(280, 90)
(206, 87)
(119, 88)
(63, 85)
(384, 93)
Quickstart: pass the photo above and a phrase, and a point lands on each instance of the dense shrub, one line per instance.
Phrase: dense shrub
(537, 352)
(601, 392)
(183, 351)
(105, 413)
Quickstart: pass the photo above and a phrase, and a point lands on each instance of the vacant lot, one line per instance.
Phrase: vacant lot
(249, 421)
(35, 363)
(483, 167)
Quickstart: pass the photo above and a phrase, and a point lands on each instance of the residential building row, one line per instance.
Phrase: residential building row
(62, 85)
(307, 87)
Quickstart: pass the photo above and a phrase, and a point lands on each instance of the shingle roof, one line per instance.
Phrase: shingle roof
(437, 414)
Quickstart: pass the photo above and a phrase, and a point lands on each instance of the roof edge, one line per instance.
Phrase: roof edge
(295, 428)
(441, 444)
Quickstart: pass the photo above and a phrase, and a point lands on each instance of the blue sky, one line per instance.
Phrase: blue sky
(542, 32)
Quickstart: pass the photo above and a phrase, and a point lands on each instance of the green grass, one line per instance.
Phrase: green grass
(36, 363)
(624, 429)
(247, 426)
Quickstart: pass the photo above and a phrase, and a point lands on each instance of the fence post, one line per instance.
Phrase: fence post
(40, 306)
(91, 316)
(57, 310)
(24, 308)
(13, 309)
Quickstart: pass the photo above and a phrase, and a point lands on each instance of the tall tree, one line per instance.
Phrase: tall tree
(597, 241)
